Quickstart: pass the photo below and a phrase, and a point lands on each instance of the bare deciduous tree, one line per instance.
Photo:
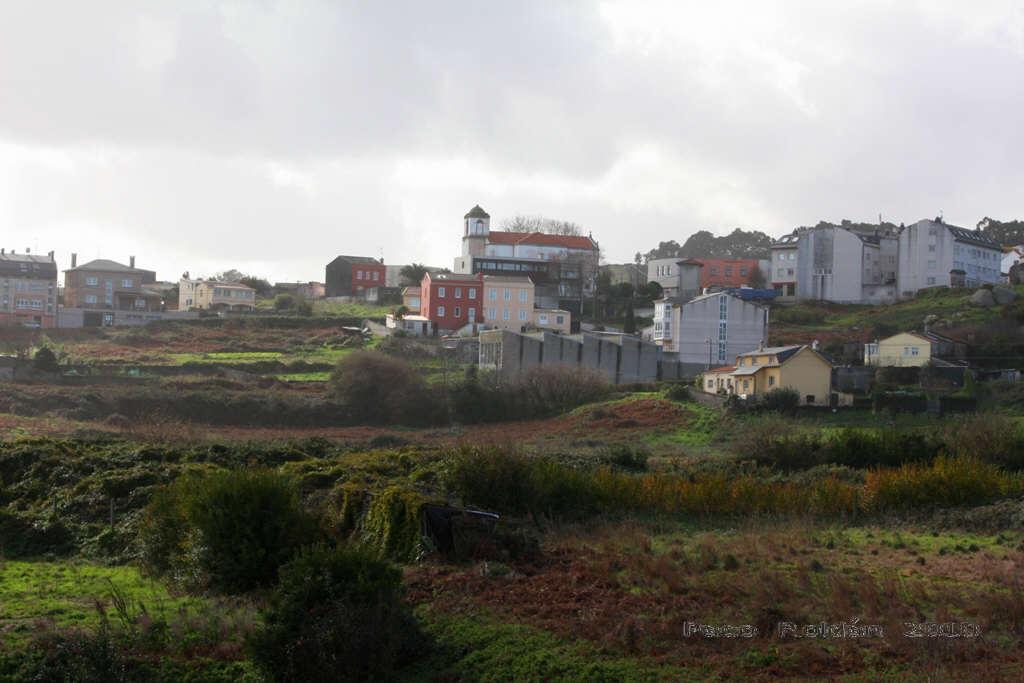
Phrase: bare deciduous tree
(550, 226)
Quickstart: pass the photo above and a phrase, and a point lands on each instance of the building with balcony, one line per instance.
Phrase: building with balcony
(563, 268)
(710, 329)
(28, 290)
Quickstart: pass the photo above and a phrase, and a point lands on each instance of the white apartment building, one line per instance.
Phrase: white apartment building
(783, 265)
(846, 266)
(935, 254)
(709, 330)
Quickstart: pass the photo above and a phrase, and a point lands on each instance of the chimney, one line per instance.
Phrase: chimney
(760, 345)
(814, 344)
(3, 250)
(28, 250)
(74, 260)
(131, 261)
(51, 256)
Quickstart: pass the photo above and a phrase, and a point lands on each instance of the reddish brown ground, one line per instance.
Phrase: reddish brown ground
(594, 425)
(629, 599)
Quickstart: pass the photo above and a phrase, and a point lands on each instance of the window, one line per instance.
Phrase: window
(472, 292)
(723, 307)
(440, 311)
(91, 299)
(91, 281)
(728, 271)
(931, 247)
(771, 380)
(440, 292)
(492, 294)
(458, 292)
(743, 271)
(376, 275)
(543, 320)
(560, 319)
(714, 270)
(523, 294)
(522, 314)
(504, 314)
(931, 265)
(746, 385)
(507, 294)
(359, 275)
(931, 280)
(458, 311)
(140, 303)
(490, 314)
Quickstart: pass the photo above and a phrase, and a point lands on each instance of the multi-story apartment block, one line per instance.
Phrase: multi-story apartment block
(108, 285)
(846, 266)
(710, 329)
(933, 253)
(451, 302)
(508, 302)
(358, 276)
(28, 289)
(784, 256)
(211, 295)
(563, 268)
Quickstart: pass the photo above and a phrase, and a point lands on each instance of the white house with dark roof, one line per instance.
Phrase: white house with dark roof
(933, 253)
(844, 265)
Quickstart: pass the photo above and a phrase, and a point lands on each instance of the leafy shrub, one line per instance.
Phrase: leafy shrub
(625, 457)
(380, 389)
(987, 437)
(46, 360)
(336, 615)
(25, 536)
(783, 400)
(392, 524)
(284, 302)
(679, 392)
(229, 530)
(539, 392)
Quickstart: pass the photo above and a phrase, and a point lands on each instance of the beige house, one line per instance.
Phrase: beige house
(210, 295)
(553, 319)
(795, 367)
(903, 349)
(508, 302)
(718, 380)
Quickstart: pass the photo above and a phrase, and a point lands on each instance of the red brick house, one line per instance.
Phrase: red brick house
(451, 301)
(727, 272)
(359, 276)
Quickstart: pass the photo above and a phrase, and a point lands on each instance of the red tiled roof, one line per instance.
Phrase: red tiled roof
(542, 239)
(722, 368)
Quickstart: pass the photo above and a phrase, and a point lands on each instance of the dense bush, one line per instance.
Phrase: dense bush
(336, 615)
(46, 360)
(381, 389)
(988, 437)
(784, 400)
(539, 392)
(228, 530)
(773, 443)
(679, 391)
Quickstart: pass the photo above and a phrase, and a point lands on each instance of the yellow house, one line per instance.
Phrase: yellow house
(794, 367)
(903, 349)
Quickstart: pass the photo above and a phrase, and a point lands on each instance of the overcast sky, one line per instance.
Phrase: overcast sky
(270, 136)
